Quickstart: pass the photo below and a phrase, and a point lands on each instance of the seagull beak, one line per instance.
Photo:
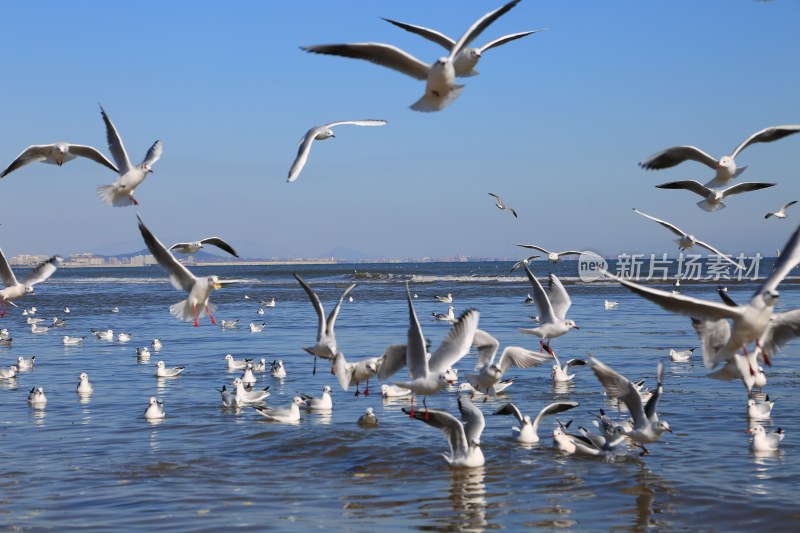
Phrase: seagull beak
(576, 327)
(217, 285)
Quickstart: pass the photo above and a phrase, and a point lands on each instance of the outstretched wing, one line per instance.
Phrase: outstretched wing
(115, 145)
(767, 135)
(385, 55)
(559, 299)
(316, 303)
(447, 424)
(335, 312)
(42, 271)
(179, 275)
(219, 243)
(153, 154)
(432, 35)
(677, 155)
(505, 39)
(510, 409)
(6, 273)
(689, 185)
(31, 154)
(457, 342)
(487, 348)
(92, 153)
(520, 358)
(473, 420)
(672, 227)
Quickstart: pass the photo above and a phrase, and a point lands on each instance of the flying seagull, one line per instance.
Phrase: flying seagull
(199, 288)
(16, 289)
(195, 246)
(554, 257)
(500, 205)
(781, 213)
(725, 167)
(713, 197)
(120, 193)
(320, 133)
(440, 89)
(56, 154)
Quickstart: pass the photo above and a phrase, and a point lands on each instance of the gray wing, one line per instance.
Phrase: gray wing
(93, 154)
(570, 252)
(179, 275)
(510, 409)
(680, 304)
(473, 420)
(672, 227)
(432, 35)
(652, 403)
(533, 247)
(745, 187)
(6, 273)
(788, 259)
(618, 386)
(689, 185)
(677, 155)
(31, 154)
(487, 347)
(783, 328)
(447, 424)
(456, 343)
(478, 26)
(42, 271)
(393, 359)
(557, 294)
(790, 204)
(505, 39)
(335, 312)
(719, 253)
(385, 55)
(573, 362)
(416, 354)
(316, 303)
(219, 243)
(520, 358)
(180, 246)
(546, 313)
(302, 154)
(115, 145)
(153, 154)
(553, 408)
(368, 122)
(767, 135)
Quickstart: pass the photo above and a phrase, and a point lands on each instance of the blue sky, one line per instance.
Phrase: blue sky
(555, 124)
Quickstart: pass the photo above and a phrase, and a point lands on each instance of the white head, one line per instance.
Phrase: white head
(571, 324)
(297, 400)
(160, 364)
(84, 376)
(663, 426)
(326, 389)
(369, 411)
(229, 357)
(727, 163)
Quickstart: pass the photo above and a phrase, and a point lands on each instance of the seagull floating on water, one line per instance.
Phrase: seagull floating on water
(155, 409)
(290, 415)
(368, 419)
(560, 374)
(36, 397)
(24, 364)
(765, 442)
(680, 356)
(760, 410)
(84, 385)
(323, 403)
(163, 372)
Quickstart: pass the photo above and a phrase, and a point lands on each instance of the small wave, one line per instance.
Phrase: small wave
(378, 276)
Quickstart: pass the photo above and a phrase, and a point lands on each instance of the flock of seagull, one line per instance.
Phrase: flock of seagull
(725, 329)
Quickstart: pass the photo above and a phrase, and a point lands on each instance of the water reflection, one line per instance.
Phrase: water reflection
(651, 491)
(467, 495)
(8, 383)
(38, 414)
(84, 397)
(563, 387)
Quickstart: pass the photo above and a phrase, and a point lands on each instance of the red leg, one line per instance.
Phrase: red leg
(195, 317)
(213, 320)
(133, 200)
(5, 309)
(366, 390)
(357, 391)
(767, 359)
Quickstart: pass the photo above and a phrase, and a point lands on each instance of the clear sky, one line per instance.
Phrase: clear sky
(555, 124)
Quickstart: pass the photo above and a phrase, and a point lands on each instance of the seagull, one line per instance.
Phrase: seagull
(586, 443)
(560, 374)
(8, 372)
(441, 89)
(464, 437)
(155, 409)
(527, 432)
(268, 303)
(725, 167)
(647, 427)
(320, 133)
(682, 356)
(553, 305)
(686, 241)
(608, 304)
(765, 442)
(236, 364)
(199, 289)
(66, 310)
(749, 321)
(84, 385)
(71, 341)
(368, 419)
(553, 257)
(354, 373)
(781, 213)
(323, 403)
(500, 205)
(260, 312)
(36, 397)
(228, 324)
(714, 335)
(195, 246)
(488, 372)
(713, 197)
(124, 337)
(107, 335)
(499, 387)
(290, 415)
(525, 261)
(24, 364)
(429, 376)
(325, 346)
(56, 154)
(156, 345)
(59, 322)
(120, 193)
(143, 353)
(30, 320)
(115, 309)
(163, 372)
(257, 328)
(444, 299)
(394, 391)
(17, 289)
(39, 329)
(260, 366)
(228, 397)
(248, 377)
(277, 370)
(446, 317)
(248, 397)
(760, 410)
(469, 57)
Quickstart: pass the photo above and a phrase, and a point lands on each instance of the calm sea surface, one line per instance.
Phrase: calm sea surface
(98, 465)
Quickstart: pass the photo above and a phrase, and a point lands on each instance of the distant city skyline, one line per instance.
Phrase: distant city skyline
(555, 124)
